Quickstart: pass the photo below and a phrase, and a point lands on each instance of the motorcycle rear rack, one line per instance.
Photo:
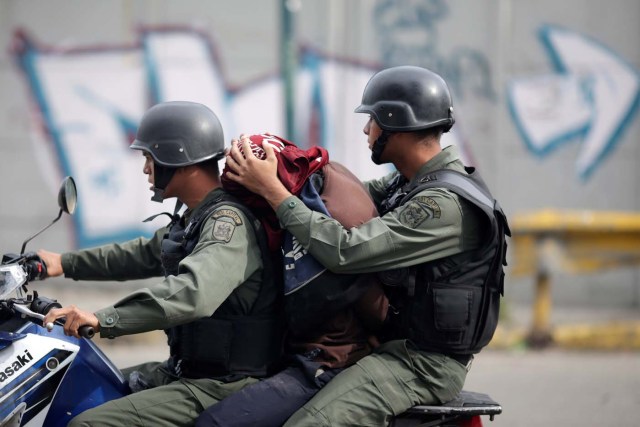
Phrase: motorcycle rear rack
(466, 404)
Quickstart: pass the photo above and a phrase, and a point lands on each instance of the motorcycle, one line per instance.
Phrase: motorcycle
(47, 378)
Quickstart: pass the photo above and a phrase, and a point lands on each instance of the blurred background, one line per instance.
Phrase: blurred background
(546, 98)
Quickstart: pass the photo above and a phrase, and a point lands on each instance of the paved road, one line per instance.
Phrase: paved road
(535, 388)
(560, 388)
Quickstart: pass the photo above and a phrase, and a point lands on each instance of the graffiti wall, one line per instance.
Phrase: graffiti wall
(544, 100)
(89, 100)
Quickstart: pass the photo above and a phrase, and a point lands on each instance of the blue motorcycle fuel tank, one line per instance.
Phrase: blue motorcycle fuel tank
(47, 378)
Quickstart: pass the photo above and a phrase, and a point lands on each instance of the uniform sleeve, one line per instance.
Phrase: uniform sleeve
(428, 227)
(226, 256)
(377, 188)
(135, 259)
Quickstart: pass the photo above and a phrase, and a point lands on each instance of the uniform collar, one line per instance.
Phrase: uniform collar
(212, 195)
(441, 160)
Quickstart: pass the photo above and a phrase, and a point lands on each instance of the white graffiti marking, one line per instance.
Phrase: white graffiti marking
(594, 96)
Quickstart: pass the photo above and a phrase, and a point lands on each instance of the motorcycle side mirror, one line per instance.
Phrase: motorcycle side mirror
(67, 196)
(67, 200)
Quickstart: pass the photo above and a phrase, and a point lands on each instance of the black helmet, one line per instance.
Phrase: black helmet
(180, 133)
(177, 134)
(406, 99)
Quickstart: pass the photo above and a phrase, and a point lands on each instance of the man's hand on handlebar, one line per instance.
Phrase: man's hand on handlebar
(53, 261)
(75, 318)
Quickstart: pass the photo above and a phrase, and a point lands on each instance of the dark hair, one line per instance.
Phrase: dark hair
(210, 164)
(430, 133)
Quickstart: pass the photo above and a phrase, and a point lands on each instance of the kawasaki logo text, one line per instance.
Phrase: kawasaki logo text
(13, 367)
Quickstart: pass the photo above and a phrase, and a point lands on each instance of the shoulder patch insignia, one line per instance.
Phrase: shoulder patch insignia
(228, 213)
(430, 204)
(223, 230)
(419, 209)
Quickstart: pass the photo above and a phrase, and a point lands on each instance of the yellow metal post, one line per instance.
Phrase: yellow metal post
(540, 334)
(578, 242)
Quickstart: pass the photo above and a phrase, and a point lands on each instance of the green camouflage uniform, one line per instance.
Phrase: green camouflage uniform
(434, 224)
(222, 266)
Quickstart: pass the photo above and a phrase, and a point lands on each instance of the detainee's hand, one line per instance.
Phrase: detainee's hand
(53, 261)
(75, 318)
(256, 175)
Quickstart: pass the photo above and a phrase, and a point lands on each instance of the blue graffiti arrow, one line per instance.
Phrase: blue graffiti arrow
(594, 96)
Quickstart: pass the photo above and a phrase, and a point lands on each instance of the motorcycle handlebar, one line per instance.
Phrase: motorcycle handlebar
(42, 305)
(31, 263)
(36, 269)
(86, 331)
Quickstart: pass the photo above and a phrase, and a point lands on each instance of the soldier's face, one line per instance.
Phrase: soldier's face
(148, 168)
(372, 130)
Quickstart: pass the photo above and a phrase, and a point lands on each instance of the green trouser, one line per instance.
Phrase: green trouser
(170, 401)
(382, 385)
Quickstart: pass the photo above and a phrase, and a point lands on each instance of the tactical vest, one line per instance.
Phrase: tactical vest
(229, 344)
(451, 305)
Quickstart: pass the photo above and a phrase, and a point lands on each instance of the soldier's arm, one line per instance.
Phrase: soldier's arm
(136, 259)
(426, 228)
(377, 188)
(225, 257)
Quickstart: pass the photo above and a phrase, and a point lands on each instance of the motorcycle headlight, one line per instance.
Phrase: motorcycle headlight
(12, 276)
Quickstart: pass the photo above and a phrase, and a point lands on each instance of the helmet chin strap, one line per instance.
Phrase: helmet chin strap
(158, 195)
(378, 147)
(161, 177)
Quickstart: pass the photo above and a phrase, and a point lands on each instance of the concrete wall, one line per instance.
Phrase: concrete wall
(498, 56)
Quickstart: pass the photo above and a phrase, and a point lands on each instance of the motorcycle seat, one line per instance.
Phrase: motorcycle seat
(466, 404)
